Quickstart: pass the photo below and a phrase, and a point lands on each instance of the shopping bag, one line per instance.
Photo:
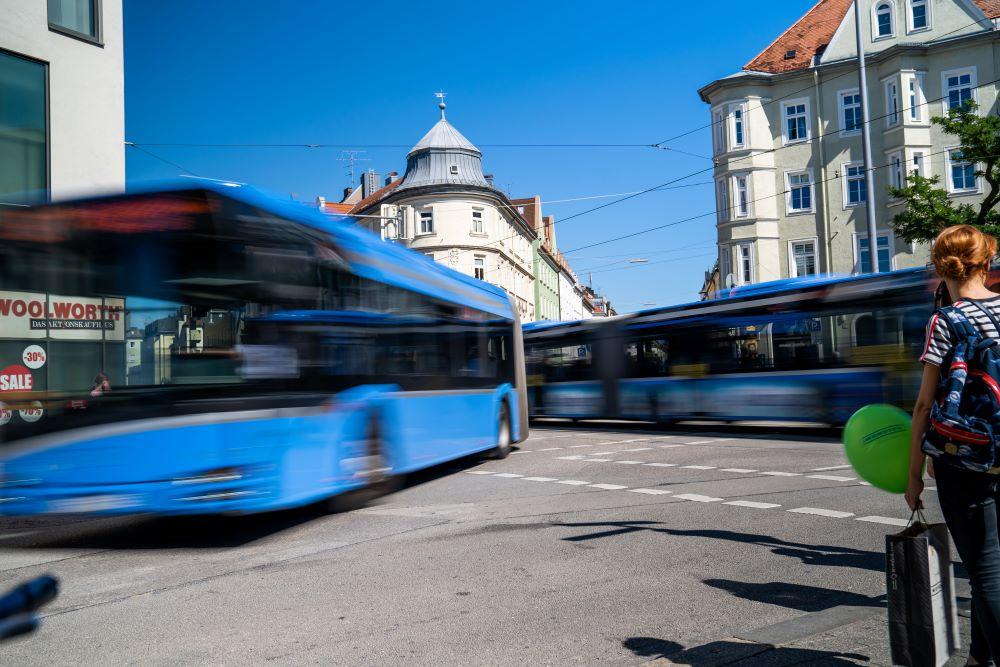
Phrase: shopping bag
(923, 618)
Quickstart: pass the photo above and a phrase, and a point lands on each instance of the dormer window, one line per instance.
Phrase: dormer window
(790, 55)
(454, 169)
(883, 20)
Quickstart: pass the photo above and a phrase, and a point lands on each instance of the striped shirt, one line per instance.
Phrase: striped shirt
(939, 336)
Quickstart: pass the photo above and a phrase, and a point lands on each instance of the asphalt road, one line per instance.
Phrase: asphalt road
(610, 545)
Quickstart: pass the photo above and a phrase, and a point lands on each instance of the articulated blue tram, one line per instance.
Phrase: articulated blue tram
(207, 350)
(809, 350)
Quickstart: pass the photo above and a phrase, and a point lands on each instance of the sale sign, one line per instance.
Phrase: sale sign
(33, 357)
(16, 378)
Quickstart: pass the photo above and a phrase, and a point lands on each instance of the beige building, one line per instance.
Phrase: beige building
(786, 133)
(445, 207)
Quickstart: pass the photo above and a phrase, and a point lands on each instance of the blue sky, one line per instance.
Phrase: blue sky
(362, 75)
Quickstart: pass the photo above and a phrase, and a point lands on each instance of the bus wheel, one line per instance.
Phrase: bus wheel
(503, 434)
(379, 479)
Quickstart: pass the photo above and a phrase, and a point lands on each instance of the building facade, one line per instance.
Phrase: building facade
(786, 133)
(62, 116)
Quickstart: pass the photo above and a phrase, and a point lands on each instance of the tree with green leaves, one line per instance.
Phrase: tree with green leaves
(929, 208)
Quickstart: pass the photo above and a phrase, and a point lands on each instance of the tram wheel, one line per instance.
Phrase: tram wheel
(503, 434)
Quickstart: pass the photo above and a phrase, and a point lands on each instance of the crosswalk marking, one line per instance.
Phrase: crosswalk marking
(629, 463)
(479, 472)
(752, 503)
(740, 470)
(669, 446)
(699, 467)
(609, 487)
(638, 449)
(843, 467)
(889, 521)
(578, 446)
(597, 460)
(548, 449)
(508, 474)
(819, 511)
(697, 497)
(832, 478)
(661, 465)
(572, 482)
(651, 492)
(540, 479)
(570, 458)
(776, 473)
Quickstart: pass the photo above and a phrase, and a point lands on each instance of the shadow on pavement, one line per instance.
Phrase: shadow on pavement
(810, 554)
(193, 532)
(795, 596)
(735, 652)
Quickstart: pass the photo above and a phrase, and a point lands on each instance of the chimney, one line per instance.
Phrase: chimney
(549, 223)
(489, 179)
(321, 203)
(347, 192)
(392, 177)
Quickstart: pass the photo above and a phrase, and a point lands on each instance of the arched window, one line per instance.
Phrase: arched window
(883, 20)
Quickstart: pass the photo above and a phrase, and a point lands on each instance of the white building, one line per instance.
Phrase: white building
(570, 297)
(786, 132)
(62, 99)
(445, 207)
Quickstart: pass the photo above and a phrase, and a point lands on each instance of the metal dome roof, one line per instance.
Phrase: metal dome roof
(444, 136)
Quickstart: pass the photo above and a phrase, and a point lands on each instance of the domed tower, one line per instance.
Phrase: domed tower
(446, 208)
(444, 158)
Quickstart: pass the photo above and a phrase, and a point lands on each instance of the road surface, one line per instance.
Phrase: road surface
(588, 545)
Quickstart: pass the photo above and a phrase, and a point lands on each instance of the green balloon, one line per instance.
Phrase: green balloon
(877, 443)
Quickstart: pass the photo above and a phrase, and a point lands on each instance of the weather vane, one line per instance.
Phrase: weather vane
(441, 105)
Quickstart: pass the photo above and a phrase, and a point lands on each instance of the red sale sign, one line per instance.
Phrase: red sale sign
(16, 378)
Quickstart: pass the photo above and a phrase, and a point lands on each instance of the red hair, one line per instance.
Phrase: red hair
(963, 251)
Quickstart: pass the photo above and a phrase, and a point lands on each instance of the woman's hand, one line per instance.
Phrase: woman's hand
(913, 491)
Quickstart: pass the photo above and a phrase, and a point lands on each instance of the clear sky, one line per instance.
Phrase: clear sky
(361, 75)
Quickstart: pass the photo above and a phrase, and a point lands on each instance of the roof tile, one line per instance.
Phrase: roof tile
(795, 48)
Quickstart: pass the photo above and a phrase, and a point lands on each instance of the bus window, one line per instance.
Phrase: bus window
(568, 361)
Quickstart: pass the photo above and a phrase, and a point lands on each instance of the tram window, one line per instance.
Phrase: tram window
(647, 357)
(570, 361)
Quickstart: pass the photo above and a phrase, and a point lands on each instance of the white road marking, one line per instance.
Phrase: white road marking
(818, 511)
(621, 442)
(884, 519)
(569, 458)
(573, 482)
(629, 463)
(661, 465)
(843, 467)
(507, 474)
(549, 449)
(669, 446)
(832, 478)
(597, 460)
(865, 483)
(699, 467)
(753, 504)
(578, 446)
(697, 498)
(640, 449)
(652, 492)
(774, 473)
(602, 453)
(523, 451)
(609, 487)
(698, 442)
(479, 472)
(742, 470)
(540, 479)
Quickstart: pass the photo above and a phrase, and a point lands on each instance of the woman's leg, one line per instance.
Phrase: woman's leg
(969, 504)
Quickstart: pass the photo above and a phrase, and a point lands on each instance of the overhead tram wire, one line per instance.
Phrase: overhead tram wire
(729, 209)
(902, 111)
(811, 86)
(160, 158)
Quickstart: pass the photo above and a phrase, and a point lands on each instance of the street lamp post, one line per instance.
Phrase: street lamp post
(866, 143)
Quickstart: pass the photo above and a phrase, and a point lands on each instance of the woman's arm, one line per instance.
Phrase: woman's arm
(921, 415)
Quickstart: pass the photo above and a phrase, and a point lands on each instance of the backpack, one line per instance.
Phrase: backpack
(964, 422)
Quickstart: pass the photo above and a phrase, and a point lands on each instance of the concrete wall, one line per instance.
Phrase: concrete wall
(86, 95)
(835, 225)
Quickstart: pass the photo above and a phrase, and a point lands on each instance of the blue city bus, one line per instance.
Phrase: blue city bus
(807, 350)
(211, 349)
